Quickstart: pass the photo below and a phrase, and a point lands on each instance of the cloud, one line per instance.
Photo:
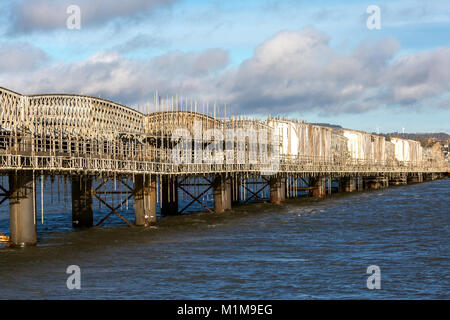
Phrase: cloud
(422, 75)
(299, 71)
(179, 64)
(44, 15)
(111, 75)
(18, 57)
(293, 71)
(141, 41)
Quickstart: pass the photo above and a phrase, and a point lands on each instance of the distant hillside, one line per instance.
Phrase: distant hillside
(329, 125)
(440, 136)
(426, 139)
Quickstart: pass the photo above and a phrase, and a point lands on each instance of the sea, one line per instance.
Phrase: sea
(307, 248)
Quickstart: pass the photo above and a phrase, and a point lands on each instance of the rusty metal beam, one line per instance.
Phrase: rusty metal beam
(114, 210)
(195, 199)
(255, 195)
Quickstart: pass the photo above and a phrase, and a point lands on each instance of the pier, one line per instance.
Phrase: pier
(175, 147)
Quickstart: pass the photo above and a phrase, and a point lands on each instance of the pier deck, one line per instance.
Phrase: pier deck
(163, 150)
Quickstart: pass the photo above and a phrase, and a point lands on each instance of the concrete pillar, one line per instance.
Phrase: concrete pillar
(277, 190)
(319, 187)
(82, 208)
(415, 178)
(169, 195)
(145, 200)
(420, 177)
(384, 182)
(22, 220)
(376, 182)
(283, 188)
(372, 184)
(398, 180)
(222, 194)
(235, 188)
(347, 184)
(427, 177)
(228, 192)
(359, 184)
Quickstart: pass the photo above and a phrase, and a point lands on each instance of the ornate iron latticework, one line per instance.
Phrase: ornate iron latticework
(75, 133)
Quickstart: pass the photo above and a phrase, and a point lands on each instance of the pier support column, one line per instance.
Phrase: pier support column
(373, 184)
(145, 200)
(222, 194)
(428, 176)
(169, 195)
(22, 220)
(228, 190)
(359, 184)
(235, 188)
(347, 184)
(415, 178)
(319, 187)
(82, 209)
(277, 190)
(403, 179)
(376, 182)
(398, 180)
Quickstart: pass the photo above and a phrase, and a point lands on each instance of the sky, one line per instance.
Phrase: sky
(312, 60)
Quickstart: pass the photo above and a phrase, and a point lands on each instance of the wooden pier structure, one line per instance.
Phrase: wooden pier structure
(92, 142)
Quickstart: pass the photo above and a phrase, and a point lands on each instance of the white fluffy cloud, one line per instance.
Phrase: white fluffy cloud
(292, 71)
(111, 75)
(299, 71)
(419, 76)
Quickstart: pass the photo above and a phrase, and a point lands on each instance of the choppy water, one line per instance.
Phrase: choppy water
(305, 249)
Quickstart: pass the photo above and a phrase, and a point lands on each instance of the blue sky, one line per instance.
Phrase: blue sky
(315, 60)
